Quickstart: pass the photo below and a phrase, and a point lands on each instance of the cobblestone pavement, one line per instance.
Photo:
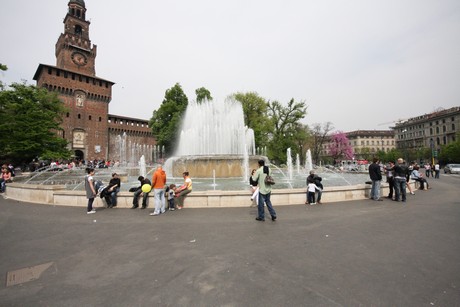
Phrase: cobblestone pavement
(360, 253)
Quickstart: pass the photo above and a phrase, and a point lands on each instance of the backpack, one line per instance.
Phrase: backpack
(268, 179)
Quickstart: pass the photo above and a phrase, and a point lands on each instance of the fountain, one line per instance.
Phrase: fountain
(213, 137)
(289, 163)
(308, 162)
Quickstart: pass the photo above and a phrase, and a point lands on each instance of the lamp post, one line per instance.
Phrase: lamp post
(432, 149)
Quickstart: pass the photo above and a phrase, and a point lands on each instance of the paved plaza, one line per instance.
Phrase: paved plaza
(357, 253)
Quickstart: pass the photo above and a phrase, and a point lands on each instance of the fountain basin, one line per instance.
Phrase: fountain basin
(208, 166)
(58, 195)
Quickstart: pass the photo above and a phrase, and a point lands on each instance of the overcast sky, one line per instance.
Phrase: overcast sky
(359, 64)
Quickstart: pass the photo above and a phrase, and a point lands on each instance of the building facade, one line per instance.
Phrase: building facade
(91, 132)
(371, 141)
(428, 131)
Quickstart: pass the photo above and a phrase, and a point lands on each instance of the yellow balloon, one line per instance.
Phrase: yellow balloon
(146, 188)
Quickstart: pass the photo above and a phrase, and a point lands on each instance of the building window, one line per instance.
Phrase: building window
(444, 128)
(444, 140)
(438, 142)
(89, 117)
(79, 116)
(100, 118)
(58, 73)
(453, 127)
(73, 76)
(444, 121)
(437, 130)
(67, 114)
(50, 71)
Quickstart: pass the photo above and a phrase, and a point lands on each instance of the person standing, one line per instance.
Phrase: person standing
(90, 190)
(317, 181)
(427, 170)
(183, 190)
(436, 171)
(400, 173)
(390, 178)
(139, 192)
(158, 186)
(376, 176)
(264, 192)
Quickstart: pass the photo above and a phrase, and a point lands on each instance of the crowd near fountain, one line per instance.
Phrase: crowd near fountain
(214, 146)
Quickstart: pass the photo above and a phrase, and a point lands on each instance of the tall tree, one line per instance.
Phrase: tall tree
(165, 122)
(202, 94)
(287, 129)
(340, 147)
(319, 133)
(31, 117)
(255, 116)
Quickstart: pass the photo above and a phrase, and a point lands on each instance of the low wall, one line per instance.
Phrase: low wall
(59, 196)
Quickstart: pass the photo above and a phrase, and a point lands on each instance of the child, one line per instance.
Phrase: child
(90, 190)
(171, 191)
(254, 189)
(311, 192)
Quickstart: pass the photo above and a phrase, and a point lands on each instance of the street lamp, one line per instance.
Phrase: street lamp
(432, 149)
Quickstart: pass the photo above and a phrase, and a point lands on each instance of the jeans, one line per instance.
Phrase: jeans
(391, 184)
(90, 204)
(265, 198)
(320, 192)
(400, 188)
(113, 197)
(145, 198)
(159, 200)
(375, 190)
(311, 197)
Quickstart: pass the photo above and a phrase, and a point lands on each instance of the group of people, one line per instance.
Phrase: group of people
(432, 170)
(175, 195)
(398, 177)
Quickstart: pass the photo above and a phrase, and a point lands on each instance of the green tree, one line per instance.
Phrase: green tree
(165, 122)
(31, 118)
(255, 116)
(202, 94)
(450, 153)
(287, 129)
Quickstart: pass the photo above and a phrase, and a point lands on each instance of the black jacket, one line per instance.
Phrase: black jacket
(374, 172)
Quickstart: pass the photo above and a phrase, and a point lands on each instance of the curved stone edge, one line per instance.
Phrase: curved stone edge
(58, 195)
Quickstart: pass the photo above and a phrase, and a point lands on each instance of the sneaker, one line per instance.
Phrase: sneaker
(91, 212)
(312, 204)
(154, 213)
(172, 209)
(412, 193)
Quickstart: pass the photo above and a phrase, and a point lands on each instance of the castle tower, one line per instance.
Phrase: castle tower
(87, 97)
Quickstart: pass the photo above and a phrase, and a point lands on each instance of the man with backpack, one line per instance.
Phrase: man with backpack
(264, 192)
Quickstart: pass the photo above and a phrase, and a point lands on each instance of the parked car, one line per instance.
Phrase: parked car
(452, 169)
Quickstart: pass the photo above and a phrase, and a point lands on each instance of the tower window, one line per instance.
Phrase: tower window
(78, 29)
